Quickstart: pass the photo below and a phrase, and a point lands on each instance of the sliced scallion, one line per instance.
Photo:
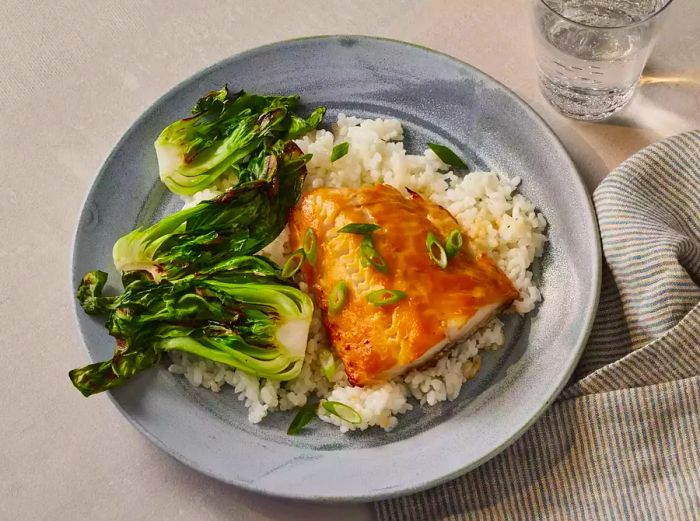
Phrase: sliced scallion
(385, 297)
(435, 250)
(310, 245)
(327, 361)
(302, 418)
(293, 264)
(337, 297)
(447, 156)
(342, 411)
(453, 243)
(359, 228)
(369, 256)
(339, 151)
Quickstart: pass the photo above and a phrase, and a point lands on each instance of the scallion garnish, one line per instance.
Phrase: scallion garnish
(342, 411)
(453, 244)
(435, 250)
(302, 418)
(337, 297)
(359, 228)
(339, 151)
(447, 156)
(369, 256)
(327, 361)
(310, 245)
(385, 297)
(293, 264)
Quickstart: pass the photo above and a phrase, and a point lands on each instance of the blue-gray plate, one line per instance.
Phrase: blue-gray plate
(438, 99)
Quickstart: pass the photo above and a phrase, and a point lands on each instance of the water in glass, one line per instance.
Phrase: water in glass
(590, 53)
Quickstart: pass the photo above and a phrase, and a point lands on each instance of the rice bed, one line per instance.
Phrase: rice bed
(497, 219)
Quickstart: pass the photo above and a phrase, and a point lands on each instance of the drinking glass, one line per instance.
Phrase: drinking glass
(590, 53)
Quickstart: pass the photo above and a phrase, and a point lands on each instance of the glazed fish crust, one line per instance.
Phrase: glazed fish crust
(442, 306)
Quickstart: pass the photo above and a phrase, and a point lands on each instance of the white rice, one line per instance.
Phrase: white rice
(498, 221)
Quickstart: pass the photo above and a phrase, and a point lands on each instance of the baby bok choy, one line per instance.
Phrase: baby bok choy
(241, 221)
(224, 132)
(238, 313)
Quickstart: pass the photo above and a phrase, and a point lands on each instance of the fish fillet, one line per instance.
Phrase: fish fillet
(442, 306)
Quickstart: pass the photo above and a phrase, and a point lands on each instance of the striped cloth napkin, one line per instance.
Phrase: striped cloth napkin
(623, 439)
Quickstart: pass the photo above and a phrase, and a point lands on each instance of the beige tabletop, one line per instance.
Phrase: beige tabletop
(73, 77)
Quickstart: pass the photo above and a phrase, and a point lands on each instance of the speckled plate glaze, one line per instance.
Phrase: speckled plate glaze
(439, 99)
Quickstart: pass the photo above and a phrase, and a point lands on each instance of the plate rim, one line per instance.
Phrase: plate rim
(376, 495)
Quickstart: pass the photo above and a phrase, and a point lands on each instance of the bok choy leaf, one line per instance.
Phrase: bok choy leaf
(238, 313)
(224, 131)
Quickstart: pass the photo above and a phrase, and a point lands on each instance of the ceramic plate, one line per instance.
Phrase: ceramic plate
(438, 99)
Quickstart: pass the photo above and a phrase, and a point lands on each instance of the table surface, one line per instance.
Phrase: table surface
(74, 77)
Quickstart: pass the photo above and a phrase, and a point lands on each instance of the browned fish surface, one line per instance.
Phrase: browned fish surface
(441, 306)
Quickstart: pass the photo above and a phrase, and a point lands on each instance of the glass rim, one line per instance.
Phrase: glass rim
(591, 26)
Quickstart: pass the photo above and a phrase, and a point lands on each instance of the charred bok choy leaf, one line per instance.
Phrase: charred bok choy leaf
(191, 283)
(228, 134)
(238, 313)
(241, 221)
